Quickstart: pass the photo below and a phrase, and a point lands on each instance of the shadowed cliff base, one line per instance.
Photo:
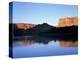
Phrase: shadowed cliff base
(44, 29)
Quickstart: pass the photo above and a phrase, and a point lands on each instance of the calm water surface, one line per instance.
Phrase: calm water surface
(42, 46)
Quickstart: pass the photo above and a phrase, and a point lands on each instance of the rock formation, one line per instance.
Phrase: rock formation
(69, 21)
(24, 26)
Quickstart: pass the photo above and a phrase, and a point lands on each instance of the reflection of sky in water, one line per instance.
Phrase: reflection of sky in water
(51, 49)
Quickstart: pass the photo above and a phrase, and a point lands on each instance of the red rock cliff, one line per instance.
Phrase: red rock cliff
(69, 21)
(24, 26)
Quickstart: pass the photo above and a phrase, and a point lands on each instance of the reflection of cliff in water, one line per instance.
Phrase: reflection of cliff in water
(70, 43)
(64, 42)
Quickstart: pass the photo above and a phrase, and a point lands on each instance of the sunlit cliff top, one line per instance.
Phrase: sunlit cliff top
(69, 21)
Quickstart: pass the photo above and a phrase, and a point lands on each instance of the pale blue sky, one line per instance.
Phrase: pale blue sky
(37, 13)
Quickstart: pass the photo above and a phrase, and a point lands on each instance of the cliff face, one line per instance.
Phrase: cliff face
(69, 21)
(24, 26)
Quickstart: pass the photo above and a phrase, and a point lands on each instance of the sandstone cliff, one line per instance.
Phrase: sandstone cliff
(69, 21)
(24, 26)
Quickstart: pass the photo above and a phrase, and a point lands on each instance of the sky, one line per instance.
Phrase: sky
(38, 13)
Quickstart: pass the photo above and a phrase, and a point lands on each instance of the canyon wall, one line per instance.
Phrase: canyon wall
(24, 26)
(63, 22)
(69, 21)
